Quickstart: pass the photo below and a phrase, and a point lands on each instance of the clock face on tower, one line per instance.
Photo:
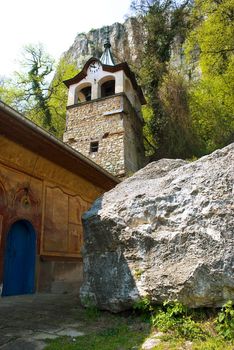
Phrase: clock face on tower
(94, 66)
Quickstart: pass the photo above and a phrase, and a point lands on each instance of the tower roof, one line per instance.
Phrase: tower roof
(107, 57)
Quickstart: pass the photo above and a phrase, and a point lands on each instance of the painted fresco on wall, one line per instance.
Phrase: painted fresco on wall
(63, 232)
(20, 198)
(54, 213)
(53, 200)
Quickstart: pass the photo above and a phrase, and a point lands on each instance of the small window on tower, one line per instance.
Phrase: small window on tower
(94, 147)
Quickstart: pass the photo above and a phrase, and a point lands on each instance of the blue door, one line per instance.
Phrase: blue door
(19, 260)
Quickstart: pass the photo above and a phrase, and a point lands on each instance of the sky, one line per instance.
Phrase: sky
(54, 23)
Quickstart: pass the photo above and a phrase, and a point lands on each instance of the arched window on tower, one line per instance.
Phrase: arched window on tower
(108, 87)
(83, 93)
(86, 92)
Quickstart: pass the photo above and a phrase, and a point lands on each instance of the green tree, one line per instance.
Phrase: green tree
(32, 92)
(33, 80)
(210, 45)
(165, 21)
(180, 138)
(58, 98)
(11, 94)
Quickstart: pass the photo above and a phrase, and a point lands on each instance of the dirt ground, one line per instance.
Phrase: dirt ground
(26, 321)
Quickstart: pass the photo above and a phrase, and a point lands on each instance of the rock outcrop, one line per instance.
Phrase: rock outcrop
(127, 41)
(167, 232)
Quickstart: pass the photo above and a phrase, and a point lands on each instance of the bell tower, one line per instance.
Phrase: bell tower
(104, 120)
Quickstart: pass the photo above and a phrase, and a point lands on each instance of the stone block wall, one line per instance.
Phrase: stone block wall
(113, 123)
(134, 155)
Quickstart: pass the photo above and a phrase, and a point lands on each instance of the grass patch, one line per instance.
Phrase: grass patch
(181, 344)
(213, 344)
(118, 338)
(183, 328)
(171, 342)
(104, 331)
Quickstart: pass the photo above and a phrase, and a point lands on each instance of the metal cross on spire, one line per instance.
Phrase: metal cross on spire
(107, 57)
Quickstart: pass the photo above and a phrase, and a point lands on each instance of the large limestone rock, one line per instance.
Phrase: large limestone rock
(127, 41)
(166, 232)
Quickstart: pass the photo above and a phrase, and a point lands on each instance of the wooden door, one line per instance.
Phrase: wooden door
(19, 260)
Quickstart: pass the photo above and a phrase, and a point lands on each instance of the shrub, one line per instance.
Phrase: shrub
(174, 316)
(144, 308)
(225, 321)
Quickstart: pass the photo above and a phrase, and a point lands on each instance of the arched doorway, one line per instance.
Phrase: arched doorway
(19, 259)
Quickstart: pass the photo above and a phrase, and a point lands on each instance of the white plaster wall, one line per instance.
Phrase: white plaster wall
(94, 78)
(131, 94)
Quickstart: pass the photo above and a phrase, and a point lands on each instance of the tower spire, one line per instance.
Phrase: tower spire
(107, 57)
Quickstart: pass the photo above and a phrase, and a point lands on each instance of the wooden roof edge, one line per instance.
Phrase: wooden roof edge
(98, 175)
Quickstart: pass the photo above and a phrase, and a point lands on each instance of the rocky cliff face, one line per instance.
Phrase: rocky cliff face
(127, 41)
(166, 232)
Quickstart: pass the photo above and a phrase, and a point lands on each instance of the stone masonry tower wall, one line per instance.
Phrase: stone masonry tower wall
(104, 120)
(113, 124)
